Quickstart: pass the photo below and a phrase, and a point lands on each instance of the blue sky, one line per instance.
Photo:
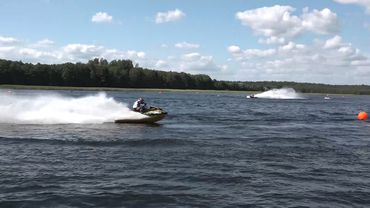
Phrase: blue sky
(324, 41)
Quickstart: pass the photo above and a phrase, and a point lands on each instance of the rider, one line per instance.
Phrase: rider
(139, 105)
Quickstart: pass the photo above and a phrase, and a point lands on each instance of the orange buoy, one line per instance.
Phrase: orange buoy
(362, 115)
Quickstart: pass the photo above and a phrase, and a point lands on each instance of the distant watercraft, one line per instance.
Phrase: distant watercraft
(251, 96)
(327, 97)
(152, 115)
(283, 93)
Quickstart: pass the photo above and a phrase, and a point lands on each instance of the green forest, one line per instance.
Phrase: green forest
(124, 74)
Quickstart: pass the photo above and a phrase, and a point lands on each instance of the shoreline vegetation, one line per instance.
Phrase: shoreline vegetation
(39, 87)
(122, 75)
(112, 89)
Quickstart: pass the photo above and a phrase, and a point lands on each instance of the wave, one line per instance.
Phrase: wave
(58, 109)
(283, 93)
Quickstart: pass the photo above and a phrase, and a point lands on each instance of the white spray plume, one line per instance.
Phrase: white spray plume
(283, 93)
(57, 109)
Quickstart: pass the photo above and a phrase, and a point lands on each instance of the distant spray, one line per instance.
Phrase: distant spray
(283, 93)
(57, 109)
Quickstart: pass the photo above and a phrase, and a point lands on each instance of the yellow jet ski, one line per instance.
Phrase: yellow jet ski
(152, 115)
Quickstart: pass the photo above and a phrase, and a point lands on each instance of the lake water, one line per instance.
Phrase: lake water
(212, 150)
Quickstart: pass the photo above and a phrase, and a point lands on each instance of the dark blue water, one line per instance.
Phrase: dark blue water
(213, 150)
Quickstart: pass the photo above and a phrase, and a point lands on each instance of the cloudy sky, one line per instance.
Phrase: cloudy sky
(325, 41)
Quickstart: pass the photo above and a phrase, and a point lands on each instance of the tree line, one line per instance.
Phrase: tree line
(124, 74)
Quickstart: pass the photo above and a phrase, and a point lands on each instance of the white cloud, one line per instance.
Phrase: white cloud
(84, 52)
(45, 51)
(330, 61)
(194, 63)
(271, 21)
(37, 55)
(250, 53)
(272, 40)
(197, 63)
(191, 56)
(321, 22)
(169, 16)
(8, 41)
(161, 64)
(101, 17)
(291, 48)
(30, 52)
(6, 49)
(185, 45)
(15, 49)
(334, 42)
(234, 49)
(77, 52)
(43, 43)
(136, 54)
(278, 24)
(364, 3)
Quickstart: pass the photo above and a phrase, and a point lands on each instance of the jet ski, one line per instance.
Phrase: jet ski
(152, 115)
(251, 96)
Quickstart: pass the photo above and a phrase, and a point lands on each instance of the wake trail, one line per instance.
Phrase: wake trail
(58, 109)
(283, 93)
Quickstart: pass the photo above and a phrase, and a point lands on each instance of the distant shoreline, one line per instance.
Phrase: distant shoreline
(36, 87)
(113, 89)
(122, 75)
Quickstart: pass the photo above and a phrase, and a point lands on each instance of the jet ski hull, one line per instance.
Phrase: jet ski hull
(152, 115)
(146, 120)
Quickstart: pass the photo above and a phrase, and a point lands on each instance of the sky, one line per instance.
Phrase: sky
(319, 41)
